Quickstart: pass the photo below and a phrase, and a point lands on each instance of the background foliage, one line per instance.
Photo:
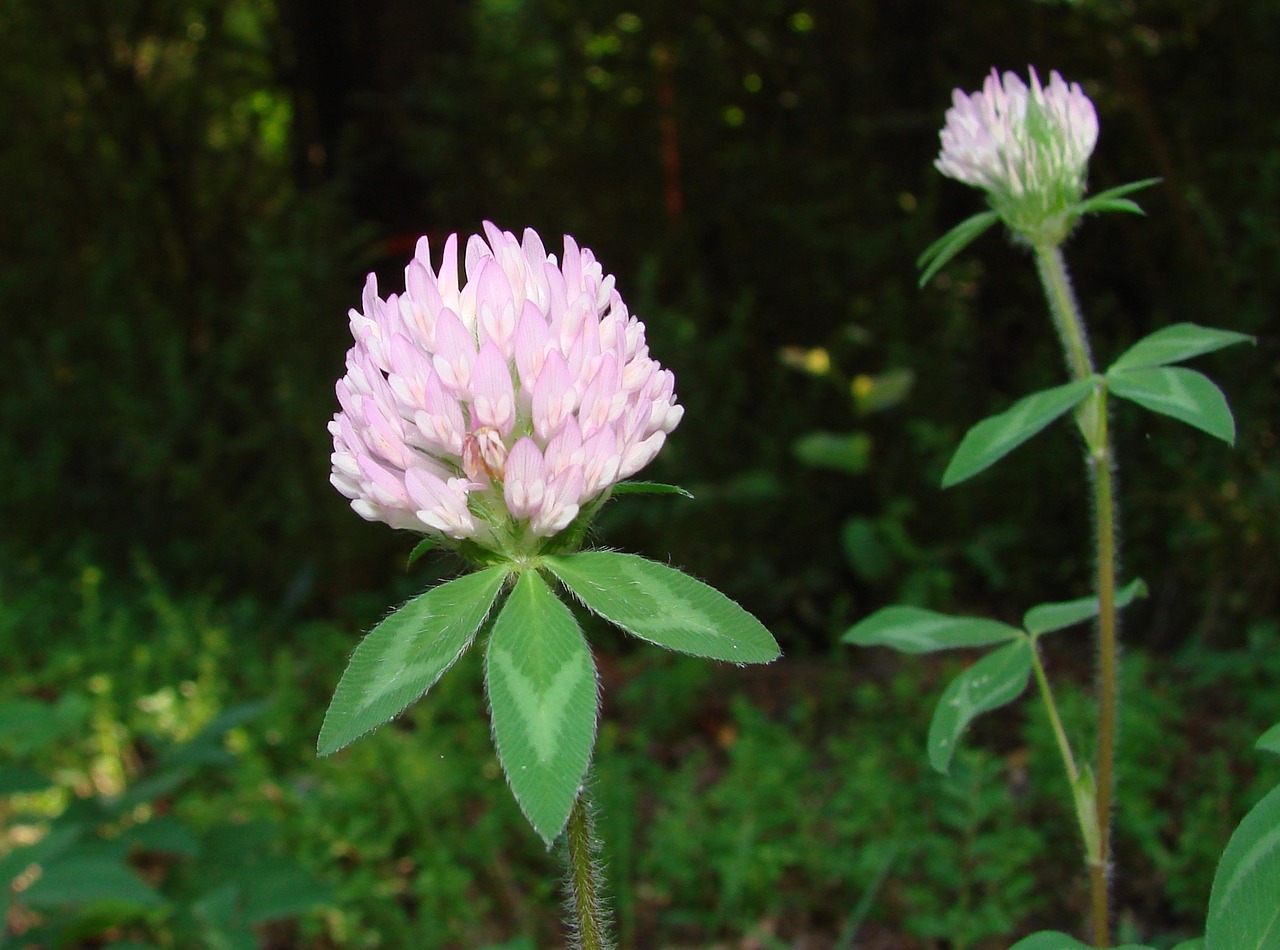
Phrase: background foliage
(192, 191)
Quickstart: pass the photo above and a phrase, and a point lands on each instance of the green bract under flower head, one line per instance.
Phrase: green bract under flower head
(1028, 148)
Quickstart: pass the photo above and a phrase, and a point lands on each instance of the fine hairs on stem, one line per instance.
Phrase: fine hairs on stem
(1093, 423)
(587, 916)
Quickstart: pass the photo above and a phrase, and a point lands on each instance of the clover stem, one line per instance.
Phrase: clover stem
(1092, 420)
(588, 916)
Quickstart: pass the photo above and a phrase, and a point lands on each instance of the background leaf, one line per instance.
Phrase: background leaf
(1180, 393)
(15, 779)
(403, 656)
(848, 452)
(915, 630)
(543, 694)
(1056, 940)
(1045, 618)
(74, 880)
(664, 606)
(995, 437)
(1176, 343)
(994, 681)
(1244, 905)
(1270, 740)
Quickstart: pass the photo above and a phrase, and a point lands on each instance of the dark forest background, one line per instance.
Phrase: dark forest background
(192, 191)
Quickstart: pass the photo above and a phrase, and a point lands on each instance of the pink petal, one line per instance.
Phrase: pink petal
(600, 462)
(565, 447)
(532, 343)
(447, 275)
(455, 353)
(493, 398)
(442, 422)
(554, 397)
(559, 505)
(525, 482)
(477, 251)
(442, 505)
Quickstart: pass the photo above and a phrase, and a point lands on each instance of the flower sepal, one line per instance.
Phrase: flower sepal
(651, 488)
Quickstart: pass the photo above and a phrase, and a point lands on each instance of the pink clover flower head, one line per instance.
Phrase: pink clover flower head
(496, 405)
(1027, 147)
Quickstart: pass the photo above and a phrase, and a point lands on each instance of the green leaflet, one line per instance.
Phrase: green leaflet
(542, 687)
(996, 436)
(81, 880)
(1056, 940)
(1177, 392)
(994, 681)
(914, 630)
(938, 254)
(1176, 343)
(1244, 904)
(1046, 618)
(402, 657)
(664, 606)
(1269, 741)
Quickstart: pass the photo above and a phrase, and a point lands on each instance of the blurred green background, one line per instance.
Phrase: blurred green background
(190, 195)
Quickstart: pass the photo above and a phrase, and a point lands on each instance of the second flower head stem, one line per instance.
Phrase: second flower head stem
(1092, 419)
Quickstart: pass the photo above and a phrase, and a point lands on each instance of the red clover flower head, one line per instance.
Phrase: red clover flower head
(1027, 147)
(493, 410)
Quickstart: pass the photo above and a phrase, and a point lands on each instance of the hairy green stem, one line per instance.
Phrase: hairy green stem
(589, 925)
(1092, 419)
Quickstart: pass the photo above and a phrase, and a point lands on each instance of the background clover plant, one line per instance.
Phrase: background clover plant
(1027, 147)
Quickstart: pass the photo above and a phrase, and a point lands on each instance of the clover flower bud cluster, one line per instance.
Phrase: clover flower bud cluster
(1027, 147)
(496, 408)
